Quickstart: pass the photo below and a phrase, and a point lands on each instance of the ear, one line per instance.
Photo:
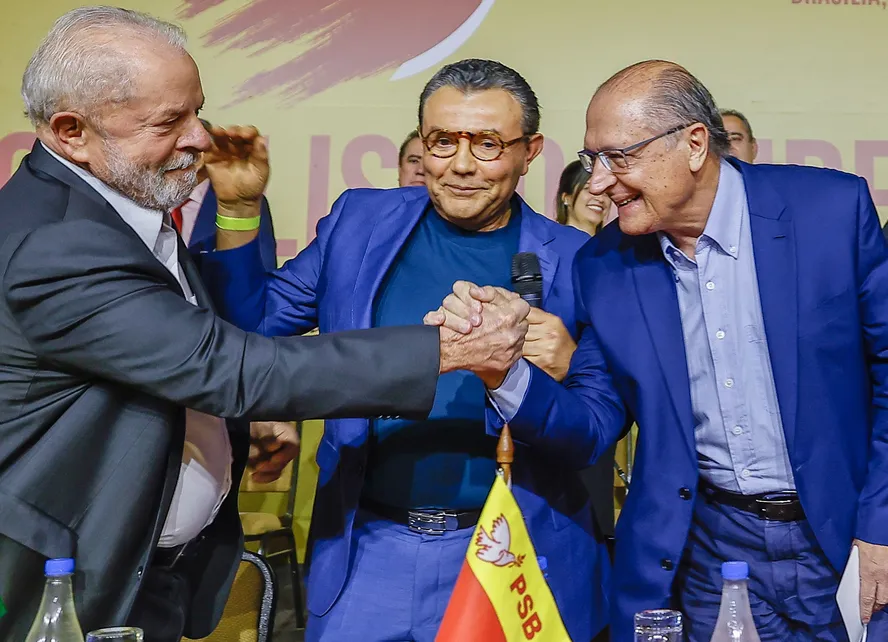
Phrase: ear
(74, 135)
(755, 149)
(534, 147)
(698, 146)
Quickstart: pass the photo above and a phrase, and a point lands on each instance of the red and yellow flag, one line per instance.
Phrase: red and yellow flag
(501, 594)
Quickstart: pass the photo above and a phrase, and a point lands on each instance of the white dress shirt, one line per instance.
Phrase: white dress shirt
(205, 474)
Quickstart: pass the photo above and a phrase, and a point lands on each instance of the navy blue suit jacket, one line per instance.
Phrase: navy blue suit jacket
(332, 284)
(203, 236)
(823, 279)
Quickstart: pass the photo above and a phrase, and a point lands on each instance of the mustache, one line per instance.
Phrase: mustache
(186, 160)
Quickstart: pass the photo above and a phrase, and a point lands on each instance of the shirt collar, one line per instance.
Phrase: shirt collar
(725, 218)
(200, 192)
(146, 223)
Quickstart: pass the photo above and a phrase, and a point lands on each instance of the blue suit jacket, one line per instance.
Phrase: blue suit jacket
(332, 284)
(203, 237)
(823, 279)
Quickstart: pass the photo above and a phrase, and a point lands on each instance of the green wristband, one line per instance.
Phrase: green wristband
(234, 224)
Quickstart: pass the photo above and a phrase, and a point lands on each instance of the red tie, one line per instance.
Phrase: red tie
(176, 215)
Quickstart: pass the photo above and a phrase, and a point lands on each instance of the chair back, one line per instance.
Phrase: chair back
(249, 612)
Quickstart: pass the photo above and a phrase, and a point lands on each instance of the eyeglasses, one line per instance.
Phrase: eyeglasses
(484, 145)
(616, 160)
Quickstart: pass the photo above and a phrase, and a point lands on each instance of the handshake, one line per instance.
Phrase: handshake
(487, 329)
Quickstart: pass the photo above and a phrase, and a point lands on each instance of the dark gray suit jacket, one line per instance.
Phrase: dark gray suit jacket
(99, 356)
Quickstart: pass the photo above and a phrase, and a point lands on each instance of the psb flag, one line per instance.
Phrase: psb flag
(501, 594)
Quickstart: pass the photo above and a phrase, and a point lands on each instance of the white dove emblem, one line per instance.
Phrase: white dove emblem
(494, 548)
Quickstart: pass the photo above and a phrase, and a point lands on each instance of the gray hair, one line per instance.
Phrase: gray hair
(473, 75)
(676, 97)
(739, 116)
(73, 68)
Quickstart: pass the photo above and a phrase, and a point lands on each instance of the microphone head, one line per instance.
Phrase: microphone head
(527, 278)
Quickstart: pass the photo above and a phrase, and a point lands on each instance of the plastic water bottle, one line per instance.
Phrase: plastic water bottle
(658, 625)
(56, 619)
(735, 623)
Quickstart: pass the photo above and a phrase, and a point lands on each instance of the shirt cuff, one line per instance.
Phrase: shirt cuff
(507, 399)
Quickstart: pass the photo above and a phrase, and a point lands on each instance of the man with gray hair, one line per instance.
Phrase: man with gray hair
(738, 313)
(397, 501)
(115, 371)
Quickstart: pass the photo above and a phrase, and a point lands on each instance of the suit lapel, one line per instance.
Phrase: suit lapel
(204, 231)
(390, 231)
(534, 238)
(192, 276)
(655, 288)
(86, 203)
(773, 242)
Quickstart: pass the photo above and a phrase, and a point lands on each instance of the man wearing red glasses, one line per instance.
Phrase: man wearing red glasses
(397, 500)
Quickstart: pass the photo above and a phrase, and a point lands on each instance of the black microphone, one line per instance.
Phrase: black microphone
(527, 279)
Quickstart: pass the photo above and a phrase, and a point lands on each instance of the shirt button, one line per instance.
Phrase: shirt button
(732, 249)
(140, 571)
(737, 430)
(710, 285)
(666, 565)
(745, 473)
(720, 334)
(729, 383)
(685, 493)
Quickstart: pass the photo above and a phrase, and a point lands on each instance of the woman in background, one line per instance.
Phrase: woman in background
(576, 206)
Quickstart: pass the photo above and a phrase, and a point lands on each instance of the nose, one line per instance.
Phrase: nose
(601, 179)
(463, 162)
(196, 136)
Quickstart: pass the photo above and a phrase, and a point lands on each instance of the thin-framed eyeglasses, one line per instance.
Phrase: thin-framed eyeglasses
(484, 145)
(616, 161)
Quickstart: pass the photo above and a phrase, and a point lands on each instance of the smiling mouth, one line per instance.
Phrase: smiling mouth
(626, 201)
(595, 207)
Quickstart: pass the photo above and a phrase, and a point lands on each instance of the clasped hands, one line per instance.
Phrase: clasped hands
(507, 329)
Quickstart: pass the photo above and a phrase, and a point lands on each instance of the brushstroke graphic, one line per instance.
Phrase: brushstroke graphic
(340, 40)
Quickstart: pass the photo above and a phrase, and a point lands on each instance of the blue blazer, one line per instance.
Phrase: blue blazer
(203, 237)
(823, 280)
(332, 284)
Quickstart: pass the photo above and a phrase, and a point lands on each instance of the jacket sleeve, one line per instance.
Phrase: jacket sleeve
(575, 421)
(93, 306)
(872, 278)
(281, 302)
(267, 241)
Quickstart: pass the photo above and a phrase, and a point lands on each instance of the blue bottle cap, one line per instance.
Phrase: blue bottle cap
(543, 562)
(735, 571)
(59, 566)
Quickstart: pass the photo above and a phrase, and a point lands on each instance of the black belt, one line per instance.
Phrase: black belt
(170, 557)
(782, 506)
(427, 521)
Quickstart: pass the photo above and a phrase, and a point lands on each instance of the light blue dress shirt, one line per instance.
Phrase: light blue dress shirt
(741, 446)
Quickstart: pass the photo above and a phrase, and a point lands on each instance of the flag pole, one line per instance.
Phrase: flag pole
(505, 454)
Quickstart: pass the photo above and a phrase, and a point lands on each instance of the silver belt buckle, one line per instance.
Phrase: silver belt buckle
(772, 506)
(431, 522)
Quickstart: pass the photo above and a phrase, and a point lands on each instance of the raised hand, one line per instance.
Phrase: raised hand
(238, 168)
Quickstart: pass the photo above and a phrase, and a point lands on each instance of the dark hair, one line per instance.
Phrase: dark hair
(473, 75)
(676, 97)
(403, 149)
(573, 178)
(739, 116)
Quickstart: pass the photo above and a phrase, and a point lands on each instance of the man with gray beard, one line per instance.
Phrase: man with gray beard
(115, 372)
